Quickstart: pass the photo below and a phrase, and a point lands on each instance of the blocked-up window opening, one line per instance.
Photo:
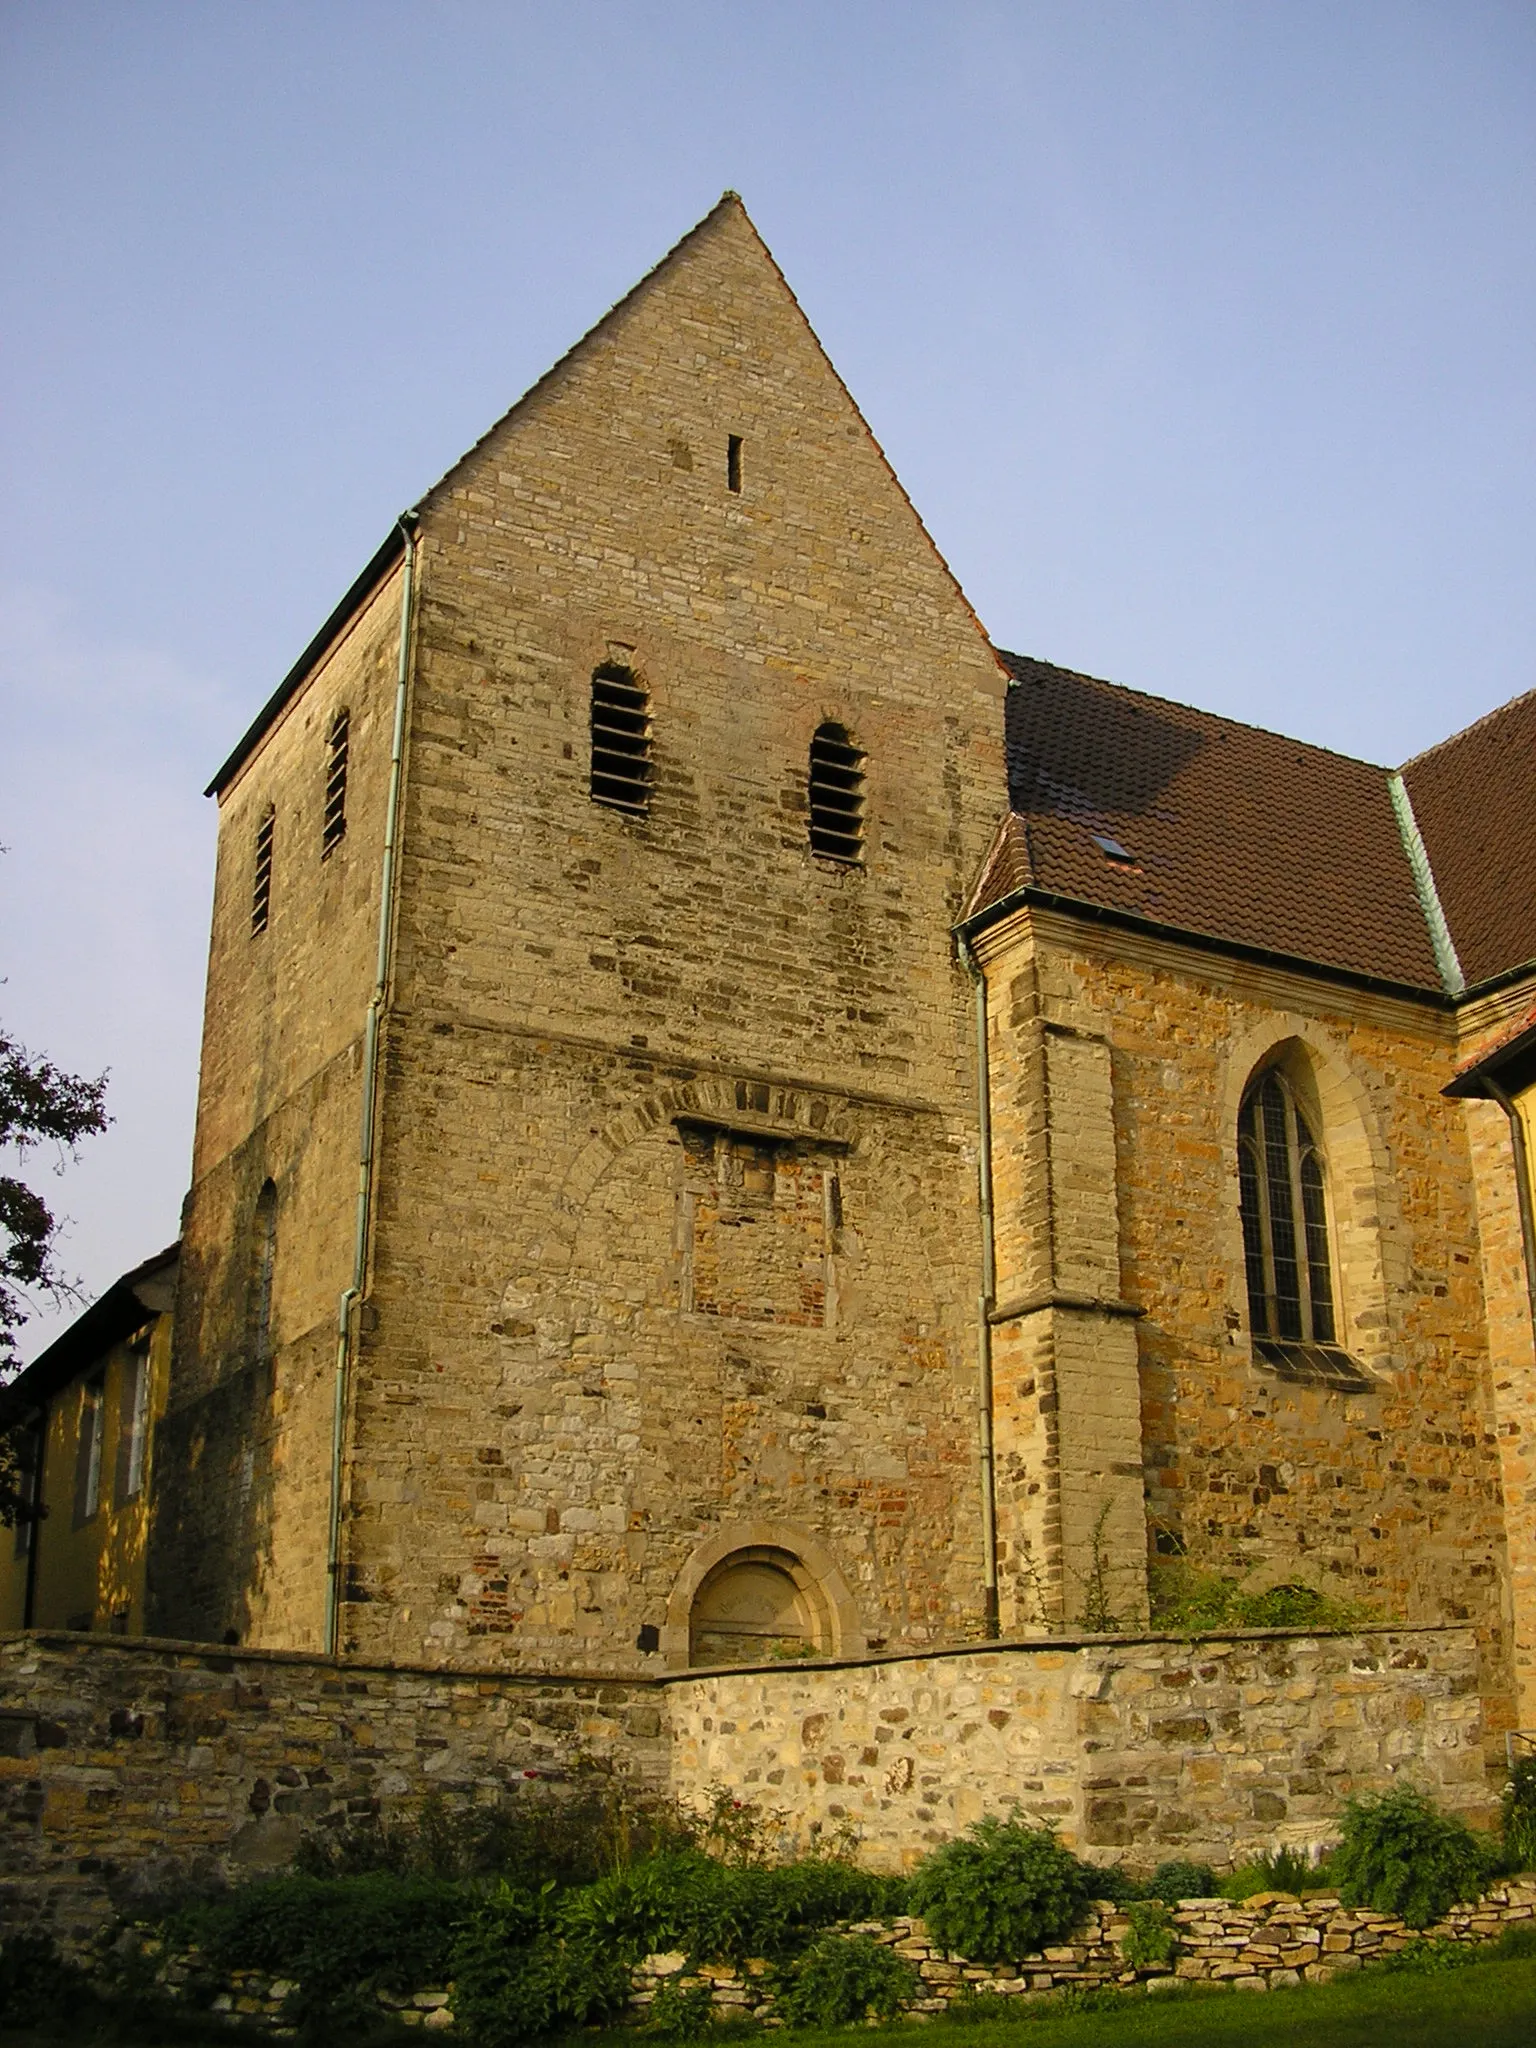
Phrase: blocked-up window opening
(261, 883)
(757, 1606)
(837, 795)
(1282, 1195)
(88, 1454)
(760, 1229)
(335, 826)
(733, 462)
(132, 1420)
(263, 1260)
(621, 741)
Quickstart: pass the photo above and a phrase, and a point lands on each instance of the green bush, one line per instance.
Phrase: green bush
(1189, 1601)
(1153, 1941)
(1520, 1815)
(37, 1984)
(842, 1978)
(1431, 1958)
(518, 1974)
(337, 1938)
(1399, 1854)
(570, 1835)
(1178, 1880)
(679, 2011)
(712, 1910)
(1517, 1944)
(1000, 1891)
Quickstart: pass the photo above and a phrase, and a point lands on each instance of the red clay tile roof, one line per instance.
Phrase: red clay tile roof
(1229, 832)
(1474, 797)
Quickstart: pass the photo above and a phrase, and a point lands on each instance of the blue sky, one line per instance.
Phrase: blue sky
(1201, 335)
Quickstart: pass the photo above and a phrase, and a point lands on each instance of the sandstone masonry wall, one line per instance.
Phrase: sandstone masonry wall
(676, 1229)
(243, 1451)
(1134, 1748)
(125, 1762)
(1394, 1495)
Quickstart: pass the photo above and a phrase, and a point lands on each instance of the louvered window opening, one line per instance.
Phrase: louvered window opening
(837, 796)
(261, 886)
(335, 826)
(621, 742)
(1285, 1241)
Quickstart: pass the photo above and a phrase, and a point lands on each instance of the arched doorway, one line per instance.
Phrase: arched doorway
(755, 1605)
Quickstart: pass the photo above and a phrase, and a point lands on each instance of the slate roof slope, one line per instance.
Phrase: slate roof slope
(1474, 797)
(1233, 833)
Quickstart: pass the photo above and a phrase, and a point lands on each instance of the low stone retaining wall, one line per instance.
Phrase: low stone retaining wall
(1263, 1944)
(128, 1763)
(1135, 1748)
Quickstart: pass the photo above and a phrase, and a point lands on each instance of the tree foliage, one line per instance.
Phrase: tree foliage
(39, 1105)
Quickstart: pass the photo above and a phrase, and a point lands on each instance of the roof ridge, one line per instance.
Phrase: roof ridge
(727, 200)
(1465, 732)
(1215, 717)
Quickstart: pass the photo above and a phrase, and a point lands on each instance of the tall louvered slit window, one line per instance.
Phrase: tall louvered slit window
(261, 881)
(1285, 1239)
(837, 796)
(621, 741)
(335, 827)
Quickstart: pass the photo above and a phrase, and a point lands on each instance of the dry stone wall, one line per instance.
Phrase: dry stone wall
(1269, 1942)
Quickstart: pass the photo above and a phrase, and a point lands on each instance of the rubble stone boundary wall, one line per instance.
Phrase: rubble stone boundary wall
(1268, 1942)
(126, 1762)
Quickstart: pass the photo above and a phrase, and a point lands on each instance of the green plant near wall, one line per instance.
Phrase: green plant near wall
(1400, 1854)
(518, 1975)
(1520, 1814)
(1000, 1891)
(842, 1978)
(1188, 1601)
(1153, 1941)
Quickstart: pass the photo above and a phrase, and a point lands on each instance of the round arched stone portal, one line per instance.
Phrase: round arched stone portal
(758, 1591)
(756, 1605)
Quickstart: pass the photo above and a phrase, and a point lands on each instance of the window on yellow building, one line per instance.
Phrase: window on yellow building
(261, 879)
(88, 1454)
(264, 1260)
(621, 741)
(131, 1423)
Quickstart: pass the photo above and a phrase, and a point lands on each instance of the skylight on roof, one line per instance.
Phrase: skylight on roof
(1112, 848)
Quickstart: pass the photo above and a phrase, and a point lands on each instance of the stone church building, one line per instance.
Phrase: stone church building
(739, 1120)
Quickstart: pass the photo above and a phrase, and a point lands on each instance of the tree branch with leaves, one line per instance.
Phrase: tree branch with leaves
(39, 1105)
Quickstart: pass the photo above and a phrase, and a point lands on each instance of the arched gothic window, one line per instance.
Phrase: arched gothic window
(1281, 1185)
(837, 795)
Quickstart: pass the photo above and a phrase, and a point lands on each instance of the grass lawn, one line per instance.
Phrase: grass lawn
(1492, 2005)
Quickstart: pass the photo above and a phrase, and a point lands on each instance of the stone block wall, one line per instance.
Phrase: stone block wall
(125, 1763)
(1392, 1495)
(1269, 1942)
(129, 1763)
(1134, 1748)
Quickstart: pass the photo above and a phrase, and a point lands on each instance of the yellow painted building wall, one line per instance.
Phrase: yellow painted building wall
(89, 1571)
